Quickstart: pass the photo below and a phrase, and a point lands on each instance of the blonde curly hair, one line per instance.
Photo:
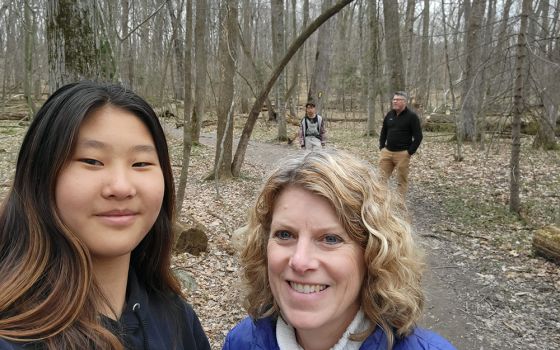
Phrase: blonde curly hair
(391, 294)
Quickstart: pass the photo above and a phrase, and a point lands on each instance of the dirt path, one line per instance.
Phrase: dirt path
(443, 310)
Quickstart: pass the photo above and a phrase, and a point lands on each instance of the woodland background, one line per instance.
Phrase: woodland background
(484, 75)
(486, 67)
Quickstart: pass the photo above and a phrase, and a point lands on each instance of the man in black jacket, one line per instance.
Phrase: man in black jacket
(400, 137)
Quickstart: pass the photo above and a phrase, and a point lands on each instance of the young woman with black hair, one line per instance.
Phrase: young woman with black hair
(85, 230)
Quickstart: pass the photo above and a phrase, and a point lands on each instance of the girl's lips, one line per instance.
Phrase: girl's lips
(117, 217)
(117, 212)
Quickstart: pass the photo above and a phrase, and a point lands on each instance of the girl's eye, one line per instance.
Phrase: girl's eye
(90, 161)
(332, 239)
(141, 164)
(283, 235)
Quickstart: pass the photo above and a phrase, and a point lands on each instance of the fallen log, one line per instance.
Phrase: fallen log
(546, 243)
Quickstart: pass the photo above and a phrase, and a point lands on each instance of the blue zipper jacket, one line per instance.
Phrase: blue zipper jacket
(261, 335)
(148, 322)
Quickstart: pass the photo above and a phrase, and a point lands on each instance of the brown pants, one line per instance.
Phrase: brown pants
(389, 161)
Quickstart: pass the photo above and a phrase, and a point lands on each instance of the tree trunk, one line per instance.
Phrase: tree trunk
(372, 68)
(77, 48)
(257, 106)
(127, 58)
(549, 85)
(518, 108)
(318, 90)
(468, 130)
(201, 58)
(293, 91)
(482, 82)
(177, 42)
(393, 46)
(227, 57)
(30, 28)
(278, 49)
(422, 96)
(459, 150)
(187, 125)
(409, 35)
(244, 65)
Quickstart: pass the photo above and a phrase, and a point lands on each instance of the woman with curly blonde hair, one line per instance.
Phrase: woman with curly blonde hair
(330, 262)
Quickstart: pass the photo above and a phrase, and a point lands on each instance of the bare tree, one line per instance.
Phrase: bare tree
(320, 78)
(278, 49)
(227, 57)
(293, 90)
(201, 58)
(372, 67)
(518, 109)
(393, 45)
(127, 58)
(187, 124)
(177, 43)
(244, 60)
(30, 26)
(409, 36)
(468, 129)
(423, 88)
(547, 71)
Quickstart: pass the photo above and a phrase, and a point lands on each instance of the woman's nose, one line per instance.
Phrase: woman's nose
(303, 257)
(118, 184)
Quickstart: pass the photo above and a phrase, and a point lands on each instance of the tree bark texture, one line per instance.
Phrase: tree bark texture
(318, 89)
(228, 57)
(422, 96)
(177, 42)
(77, 48)
(278, 49)
(393, 46)
(201, 58)
(472, 75)
(518, 109)
(187, 117)
(30, 27)
(409, 36)
(372, 90)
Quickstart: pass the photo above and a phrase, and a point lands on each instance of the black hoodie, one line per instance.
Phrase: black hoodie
(149, 322)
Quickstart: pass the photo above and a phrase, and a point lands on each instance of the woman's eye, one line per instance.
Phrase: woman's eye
(283, 235)
(332, 239)
(90, 161)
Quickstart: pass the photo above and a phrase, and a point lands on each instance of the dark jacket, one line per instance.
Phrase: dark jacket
(149, 322)
(402, 132)
(261, 335)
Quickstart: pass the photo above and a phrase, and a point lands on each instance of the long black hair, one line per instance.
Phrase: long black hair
(48, 292)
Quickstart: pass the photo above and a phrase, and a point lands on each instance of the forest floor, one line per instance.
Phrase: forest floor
(485, 288)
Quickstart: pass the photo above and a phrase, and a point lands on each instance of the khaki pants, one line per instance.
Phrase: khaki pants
(389, 161)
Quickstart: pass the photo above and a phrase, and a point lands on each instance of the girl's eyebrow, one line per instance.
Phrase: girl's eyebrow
(95, 144)
(90, 143)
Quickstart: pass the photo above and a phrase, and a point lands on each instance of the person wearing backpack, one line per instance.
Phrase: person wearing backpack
(312, 133)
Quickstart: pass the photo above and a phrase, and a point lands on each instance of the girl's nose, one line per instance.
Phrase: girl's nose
(118, 185)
